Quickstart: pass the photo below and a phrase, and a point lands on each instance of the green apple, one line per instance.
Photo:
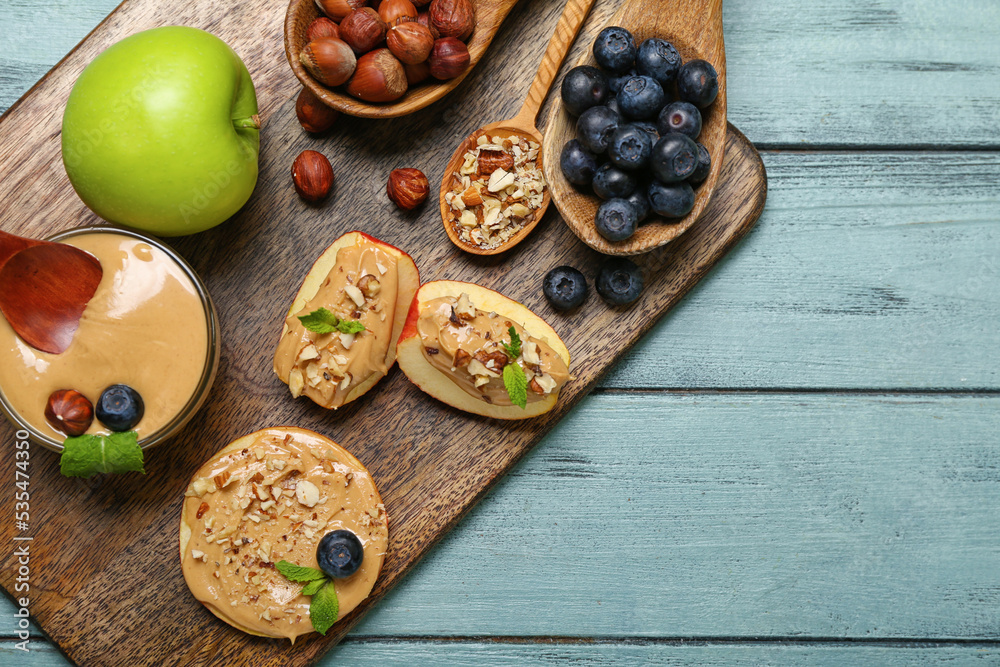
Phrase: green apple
(161, 132)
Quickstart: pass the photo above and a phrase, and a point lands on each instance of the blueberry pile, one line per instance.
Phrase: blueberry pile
(639, 118)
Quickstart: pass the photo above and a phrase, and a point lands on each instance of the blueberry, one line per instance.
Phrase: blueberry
(674, 158)
(671, 201)
(650, 129)
(641, 97)
(630, 147)
(616, 81)
(565, 287)
(698, 83)
(640, 202)
(659, 59)
(616, 219)
(619, 281)
(340, 553)
(704, 166)
(615, 50)
(584, 87)
(578, 164)
(612, 104)
(610, 182)
(595, 127)
(120, 407)
(681, 117)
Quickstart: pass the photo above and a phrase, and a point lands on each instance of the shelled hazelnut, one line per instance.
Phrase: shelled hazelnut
(449, 58)
(312, 176)
(313, 115)
(363, 29)
(320, 28)
(407, 188)
(453, 18)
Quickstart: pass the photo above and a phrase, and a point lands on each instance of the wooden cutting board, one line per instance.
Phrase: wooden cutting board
(105, 578)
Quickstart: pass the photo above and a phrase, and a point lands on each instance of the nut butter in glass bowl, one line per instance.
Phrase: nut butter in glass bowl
(151, 325)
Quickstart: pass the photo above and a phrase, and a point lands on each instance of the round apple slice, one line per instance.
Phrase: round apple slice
(456, 345)
(358, 279)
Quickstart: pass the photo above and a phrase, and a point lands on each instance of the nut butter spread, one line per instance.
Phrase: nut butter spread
(144, 327)
(268, 497)
(362, 286)
(467, 345)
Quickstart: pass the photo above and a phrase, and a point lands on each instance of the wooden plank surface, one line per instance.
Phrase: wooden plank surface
(378, 653)
(431, 463)
(820, 73)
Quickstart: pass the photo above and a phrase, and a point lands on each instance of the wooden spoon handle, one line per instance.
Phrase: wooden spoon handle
(566, 31)
(10, 244)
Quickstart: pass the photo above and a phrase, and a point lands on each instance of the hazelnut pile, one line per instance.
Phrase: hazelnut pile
(377, 49)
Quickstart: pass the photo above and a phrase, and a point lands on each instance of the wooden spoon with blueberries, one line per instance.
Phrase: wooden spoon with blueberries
(490, 203)
(649, 101)
(44, 289)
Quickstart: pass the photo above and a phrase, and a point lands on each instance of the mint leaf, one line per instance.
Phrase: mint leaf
(516, 384)
(322, 321)
(294, 572)
(312, 587)
(514, 347)
(324, 607)
(350, 326)
(88, 455)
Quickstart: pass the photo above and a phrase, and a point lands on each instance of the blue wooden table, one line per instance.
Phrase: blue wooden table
(801, 464)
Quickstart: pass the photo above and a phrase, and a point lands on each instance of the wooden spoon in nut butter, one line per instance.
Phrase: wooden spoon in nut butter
(520, 126)
(44, 289)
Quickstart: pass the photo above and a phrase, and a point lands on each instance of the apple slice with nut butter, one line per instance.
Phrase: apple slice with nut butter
(481, 352)
(339, 336)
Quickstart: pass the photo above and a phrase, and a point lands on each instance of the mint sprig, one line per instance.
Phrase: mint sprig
(322, 321)
(516, 384)
(324, 605)
(87, 455)
(513, 348)
(514, 379)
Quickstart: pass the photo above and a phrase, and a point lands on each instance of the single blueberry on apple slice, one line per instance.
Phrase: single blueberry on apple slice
(340, 553)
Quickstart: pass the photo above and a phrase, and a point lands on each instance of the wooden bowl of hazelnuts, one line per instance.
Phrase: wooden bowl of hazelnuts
(387, 58)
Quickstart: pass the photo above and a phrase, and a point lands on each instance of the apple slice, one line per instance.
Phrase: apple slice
(413, 359)
(394, 300)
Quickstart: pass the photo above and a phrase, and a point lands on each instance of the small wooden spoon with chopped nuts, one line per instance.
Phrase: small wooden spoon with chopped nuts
(487, 167)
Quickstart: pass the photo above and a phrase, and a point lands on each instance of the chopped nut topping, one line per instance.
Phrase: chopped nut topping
(356, 296)
(369, 286)
(307, 493)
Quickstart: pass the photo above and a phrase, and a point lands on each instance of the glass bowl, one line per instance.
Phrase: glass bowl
(204, 385)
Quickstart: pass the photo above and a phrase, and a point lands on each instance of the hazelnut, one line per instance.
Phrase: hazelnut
(369, 285)
(462, 358)
(320, 28)
(407, 188)
(410, 42)
(417, 73)
(314, 116)
(379, 77)
(424, 19)
(69, 411)
(312, 176)
(490, 160)
(363, 30)
(420, 3)
(453, 18)
(338, 9)
(449, 58)
(395, 12)
(329, 60)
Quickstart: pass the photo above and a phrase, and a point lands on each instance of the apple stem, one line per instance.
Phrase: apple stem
(251, 123)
